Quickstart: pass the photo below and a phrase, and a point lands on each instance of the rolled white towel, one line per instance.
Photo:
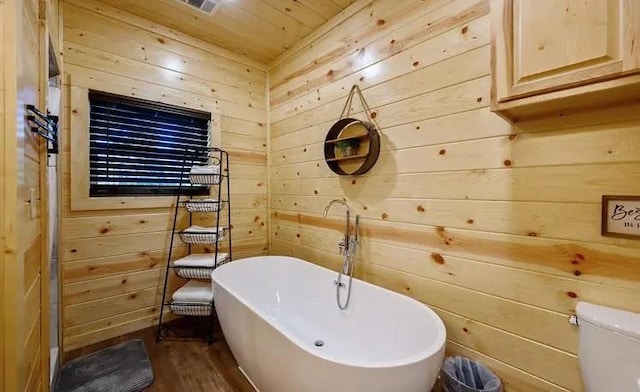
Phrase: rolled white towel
(194, 291)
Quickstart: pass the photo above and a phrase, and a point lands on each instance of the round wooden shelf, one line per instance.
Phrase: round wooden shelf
(365, 155)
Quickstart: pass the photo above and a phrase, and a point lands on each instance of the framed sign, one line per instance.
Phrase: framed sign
(621, 216)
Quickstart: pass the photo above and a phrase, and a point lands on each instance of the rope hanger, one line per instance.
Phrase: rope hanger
(348, 104)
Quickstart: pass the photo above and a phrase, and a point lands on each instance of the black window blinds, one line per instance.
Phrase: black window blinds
(137, 147)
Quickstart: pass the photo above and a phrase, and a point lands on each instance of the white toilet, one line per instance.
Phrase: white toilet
(609, 351)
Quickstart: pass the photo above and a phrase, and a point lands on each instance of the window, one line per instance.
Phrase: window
(137, 147)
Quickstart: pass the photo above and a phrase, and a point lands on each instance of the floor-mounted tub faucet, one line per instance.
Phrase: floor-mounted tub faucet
(347, 248)
(344, 245)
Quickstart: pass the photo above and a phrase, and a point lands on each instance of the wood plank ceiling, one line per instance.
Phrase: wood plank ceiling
(258, 29)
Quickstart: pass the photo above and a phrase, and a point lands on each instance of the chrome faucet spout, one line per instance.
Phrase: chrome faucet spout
(347, 232)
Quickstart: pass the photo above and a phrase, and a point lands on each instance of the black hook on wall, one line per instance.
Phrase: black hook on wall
(46, 126)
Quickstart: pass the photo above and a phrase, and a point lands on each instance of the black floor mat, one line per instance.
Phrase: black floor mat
(121, 368)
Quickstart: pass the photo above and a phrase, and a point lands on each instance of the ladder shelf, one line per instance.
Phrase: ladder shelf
(204, 174)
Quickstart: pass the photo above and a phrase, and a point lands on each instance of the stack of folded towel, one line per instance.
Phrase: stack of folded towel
(205, 174)
(194, 291)
(198, 266)
(209, 169)
(202, 235)
(201, 229)
(195, 298)
(203, 205)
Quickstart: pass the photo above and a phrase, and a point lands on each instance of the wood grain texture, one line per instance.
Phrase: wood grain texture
(496, 226)
(183, 366)
(235, 26)
(566, 56)
(3, 294)
(114, 250)
(350, 8)
(25, 30)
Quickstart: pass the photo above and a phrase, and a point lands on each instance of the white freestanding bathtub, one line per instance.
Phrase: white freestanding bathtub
(275, 311)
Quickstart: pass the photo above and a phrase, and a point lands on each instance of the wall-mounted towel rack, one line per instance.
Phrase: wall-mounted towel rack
(45, 126)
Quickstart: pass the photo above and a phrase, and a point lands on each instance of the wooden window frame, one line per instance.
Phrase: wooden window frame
(79, 159)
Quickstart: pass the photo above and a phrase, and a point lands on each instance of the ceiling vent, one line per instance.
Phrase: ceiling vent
(208, 7)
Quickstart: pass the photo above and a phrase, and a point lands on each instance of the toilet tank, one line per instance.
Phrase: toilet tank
(609, 352)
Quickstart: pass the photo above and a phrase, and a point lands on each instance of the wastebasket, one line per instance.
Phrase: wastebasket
(461, 374)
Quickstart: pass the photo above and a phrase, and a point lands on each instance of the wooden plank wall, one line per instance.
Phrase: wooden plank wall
(3, 295)
(24, 157)
(113, 260)
(496, 227)
(30, 237)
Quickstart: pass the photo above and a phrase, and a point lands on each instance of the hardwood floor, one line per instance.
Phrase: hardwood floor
(186, 366)
(183, 366)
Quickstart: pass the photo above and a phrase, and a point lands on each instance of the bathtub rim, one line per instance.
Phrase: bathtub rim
(432, 350)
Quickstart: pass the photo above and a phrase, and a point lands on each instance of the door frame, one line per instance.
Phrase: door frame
(2, 206)
(45, 257)
(48, 53)
(11, 287)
